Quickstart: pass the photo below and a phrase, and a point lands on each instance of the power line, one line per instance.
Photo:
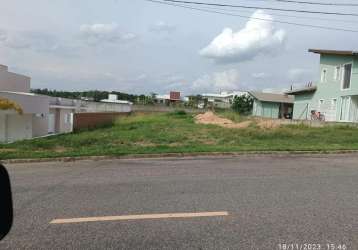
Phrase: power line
(264, 8)
(284, 15)
(312, 3)
(256, 18)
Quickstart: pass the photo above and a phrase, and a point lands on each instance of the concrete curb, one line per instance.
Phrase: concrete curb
(176, 155)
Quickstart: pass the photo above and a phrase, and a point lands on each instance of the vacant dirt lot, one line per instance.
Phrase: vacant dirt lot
(210, 118)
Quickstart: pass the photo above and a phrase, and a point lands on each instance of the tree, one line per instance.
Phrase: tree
(194, 101)
(243, 104)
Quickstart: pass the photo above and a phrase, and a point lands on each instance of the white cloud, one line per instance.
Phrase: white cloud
(104, 33)
(257, 37)
(12, 40)
(38, 41)
(162, 27)
(219, 81)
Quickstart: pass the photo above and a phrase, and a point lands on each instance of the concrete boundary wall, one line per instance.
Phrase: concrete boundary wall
(163, 108)
(93, 120)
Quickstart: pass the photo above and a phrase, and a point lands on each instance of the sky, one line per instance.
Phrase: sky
(136, 46)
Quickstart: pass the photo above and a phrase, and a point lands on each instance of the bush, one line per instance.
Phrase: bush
(179, 112)
(243, 104)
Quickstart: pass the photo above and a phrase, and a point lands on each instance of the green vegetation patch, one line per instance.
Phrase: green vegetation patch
(177, 132)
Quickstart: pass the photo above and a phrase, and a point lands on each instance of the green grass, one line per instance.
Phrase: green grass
(177, 132)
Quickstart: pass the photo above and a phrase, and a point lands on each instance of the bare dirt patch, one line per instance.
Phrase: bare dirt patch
(2, 150)
(271, 123)
(210, 118)
(144, 144)
(60, 149)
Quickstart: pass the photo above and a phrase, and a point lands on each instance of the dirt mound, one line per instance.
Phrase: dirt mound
(210, 118)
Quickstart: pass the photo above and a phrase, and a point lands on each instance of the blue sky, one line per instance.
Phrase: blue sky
(136, 46)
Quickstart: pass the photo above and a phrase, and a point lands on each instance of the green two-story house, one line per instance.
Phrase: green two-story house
(335, 95)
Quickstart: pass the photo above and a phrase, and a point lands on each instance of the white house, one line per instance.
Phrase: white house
(223, 99)
(33, 122)
(42, 115)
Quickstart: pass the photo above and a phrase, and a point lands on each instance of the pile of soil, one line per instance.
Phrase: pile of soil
(210, 118)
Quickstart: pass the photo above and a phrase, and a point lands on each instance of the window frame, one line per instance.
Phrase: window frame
(320, 104)
(337, 72)
(324, 79)
(350, 78)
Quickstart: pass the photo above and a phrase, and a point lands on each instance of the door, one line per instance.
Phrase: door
(51, 123)
(345, 107)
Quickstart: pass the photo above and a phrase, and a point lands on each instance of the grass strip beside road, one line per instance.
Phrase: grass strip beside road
(178, 133)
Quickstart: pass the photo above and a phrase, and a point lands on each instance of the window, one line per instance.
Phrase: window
(320, 104)
(337, 73)
(347, 76)
(334, 102)
(67, 118)
(324, 75)
(345, 108)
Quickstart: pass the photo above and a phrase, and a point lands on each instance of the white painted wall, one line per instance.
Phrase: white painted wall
(66, 125)
(107, 107)
(13, 82)
(19, 127)
(62, 124)
(30, 103)
(39, 125)
(2, 127)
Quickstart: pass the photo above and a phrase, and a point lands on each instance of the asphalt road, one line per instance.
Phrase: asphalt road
(271, 200)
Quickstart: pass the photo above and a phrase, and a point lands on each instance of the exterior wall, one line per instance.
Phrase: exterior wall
(328, 97)
(302, 106)
(30, 104)
(13, 82)
(266, 109)
(56, 114)
(19, 127)
(66, 120)
(257, 108)
(93, 120)
(58, 102)
(3, 128)
(162, 108)
(106, 107)
(39, 125)
(63, 122)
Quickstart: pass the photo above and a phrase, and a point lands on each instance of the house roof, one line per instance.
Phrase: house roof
(302, 90)
(270, 97)
(334, 52)
(224, 94)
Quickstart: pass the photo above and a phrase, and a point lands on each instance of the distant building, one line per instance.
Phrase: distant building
(174, 96)
(223, 99)
(113, 98)
(270, 105)
(171, 98)
(42, 115)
